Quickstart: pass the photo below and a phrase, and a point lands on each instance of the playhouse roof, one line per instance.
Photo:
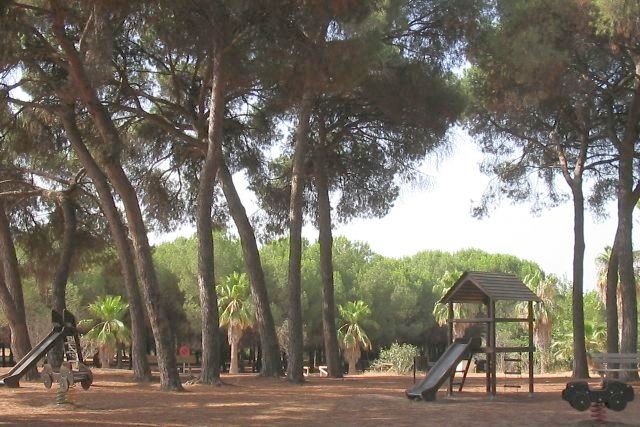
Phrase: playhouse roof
(481, 287)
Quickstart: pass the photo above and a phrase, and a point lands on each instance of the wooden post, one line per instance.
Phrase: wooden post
(487, 367)
(492, 345)
(451, 338)
(530, 318)
(450, 314)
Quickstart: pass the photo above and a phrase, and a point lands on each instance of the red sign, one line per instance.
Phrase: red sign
(184, 351)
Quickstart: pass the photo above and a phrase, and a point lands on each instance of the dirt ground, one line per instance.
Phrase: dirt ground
(249, 400)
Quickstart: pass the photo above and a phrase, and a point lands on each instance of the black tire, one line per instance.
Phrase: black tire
(580, 401)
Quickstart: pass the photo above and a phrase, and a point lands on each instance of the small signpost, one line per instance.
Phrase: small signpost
(185, 352)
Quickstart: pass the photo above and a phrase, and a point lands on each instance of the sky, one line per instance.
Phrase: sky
(438, 216)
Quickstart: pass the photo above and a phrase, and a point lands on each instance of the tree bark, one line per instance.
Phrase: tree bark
(611, 300)
(59, 283)
(61, 276)
(295, 361)
(211, 357)
(110, 163)
(627, 198)
(139, 362)
(624, 249)
(325, 239)
(580, 366)
(234, 339)
(11, 294)
(264, 318)
(165, 347)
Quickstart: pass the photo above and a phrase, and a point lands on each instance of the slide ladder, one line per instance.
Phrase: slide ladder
(466, 362)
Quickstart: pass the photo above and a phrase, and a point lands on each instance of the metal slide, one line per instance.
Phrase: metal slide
(439, 373)
(12, 379)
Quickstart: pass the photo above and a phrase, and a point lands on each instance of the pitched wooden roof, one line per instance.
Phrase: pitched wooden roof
(480, 287)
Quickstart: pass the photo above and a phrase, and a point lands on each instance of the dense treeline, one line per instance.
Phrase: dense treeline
(402, 293)
(118, 118)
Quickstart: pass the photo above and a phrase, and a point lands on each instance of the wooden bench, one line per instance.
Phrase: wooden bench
(607, 363)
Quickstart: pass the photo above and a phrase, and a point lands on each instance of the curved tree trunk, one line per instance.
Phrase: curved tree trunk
(325, 238)
(295, 361)
(206, 277)
(11, 294)
(139, 362)
(59, 284)
(61, 276)
(251, 255)
(165, 348)
(110, 163)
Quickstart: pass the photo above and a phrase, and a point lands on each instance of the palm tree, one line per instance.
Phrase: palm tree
(546, 288)
(351, 336)
(108, 330)
(602, 262)
(236, 311)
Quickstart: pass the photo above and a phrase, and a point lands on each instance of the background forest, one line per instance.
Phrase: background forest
(401, 293)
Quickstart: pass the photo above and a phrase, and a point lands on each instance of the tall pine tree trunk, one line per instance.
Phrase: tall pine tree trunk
(264, 318)
(629, 336)
(211, 357)
(627, 198)
(295, 360)
(325, 239)
(139, 362)
(611, 300)
(580, 366)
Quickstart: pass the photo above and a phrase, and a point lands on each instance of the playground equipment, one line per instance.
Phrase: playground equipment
(478, 288)
(612, 394)
(443, 369)
(64, 328)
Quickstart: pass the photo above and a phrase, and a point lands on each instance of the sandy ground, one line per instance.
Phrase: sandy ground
(249, 400)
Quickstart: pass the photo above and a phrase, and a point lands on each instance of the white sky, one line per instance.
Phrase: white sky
(438, 216)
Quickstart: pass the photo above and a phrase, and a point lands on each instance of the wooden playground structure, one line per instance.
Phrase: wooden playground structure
(489, 288)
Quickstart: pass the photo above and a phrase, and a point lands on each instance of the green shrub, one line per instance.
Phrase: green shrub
(397, 358)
